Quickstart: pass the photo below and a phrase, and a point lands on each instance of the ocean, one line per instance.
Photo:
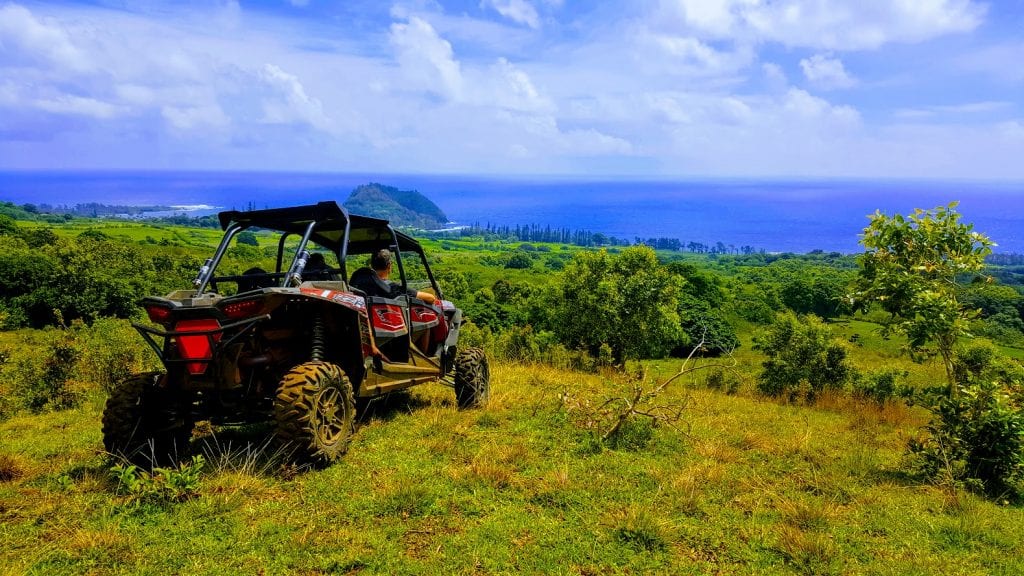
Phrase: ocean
(772, 215)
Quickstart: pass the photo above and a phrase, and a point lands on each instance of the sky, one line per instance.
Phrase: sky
(643, 88)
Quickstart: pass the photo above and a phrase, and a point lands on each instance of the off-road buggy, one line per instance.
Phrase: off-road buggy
(295, 346)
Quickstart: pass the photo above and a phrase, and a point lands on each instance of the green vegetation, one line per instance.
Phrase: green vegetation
(910, 268)
(401, 207)
(708, 472)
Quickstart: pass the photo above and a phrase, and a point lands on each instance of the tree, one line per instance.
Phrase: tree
(627, 301)
(248, 238)
(802, 353)
(910, 268)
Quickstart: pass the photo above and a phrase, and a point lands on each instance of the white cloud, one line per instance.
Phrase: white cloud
(967, 108)
(200, 118)
(824, 24)
(290, 103)
(512, 88)
(805, 105)
(79, 106)
(519, 11)
(27, 40)
(426, 59)
(826, 72)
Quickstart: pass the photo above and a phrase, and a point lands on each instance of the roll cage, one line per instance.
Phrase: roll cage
(325, 224)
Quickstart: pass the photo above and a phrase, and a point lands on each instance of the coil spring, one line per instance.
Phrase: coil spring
(317, 346)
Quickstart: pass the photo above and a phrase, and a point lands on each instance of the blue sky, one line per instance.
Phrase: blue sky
(649, 88)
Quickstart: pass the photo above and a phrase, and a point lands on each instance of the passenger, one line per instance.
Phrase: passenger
(374, 281)
(317, 268)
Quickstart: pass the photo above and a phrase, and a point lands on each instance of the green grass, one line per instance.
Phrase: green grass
(739, 486)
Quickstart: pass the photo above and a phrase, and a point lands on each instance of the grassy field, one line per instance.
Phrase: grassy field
(738, 486)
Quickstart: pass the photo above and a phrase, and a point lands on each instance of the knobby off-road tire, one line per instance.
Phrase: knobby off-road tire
(472, 378)
(145, 424)
(315, 412)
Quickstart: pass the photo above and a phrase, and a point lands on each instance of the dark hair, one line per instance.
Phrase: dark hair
(316, 260)
(381, 259)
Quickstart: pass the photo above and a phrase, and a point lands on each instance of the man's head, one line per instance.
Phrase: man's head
(381, 260)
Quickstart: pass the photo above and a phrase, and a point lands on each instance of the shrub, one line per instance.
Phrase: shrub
(723, 381)
(975, 438)
(803, 358)
(44, 384)
(881, 386)
(162, 485)
(471, 335)
(518, 344)
(109, 351)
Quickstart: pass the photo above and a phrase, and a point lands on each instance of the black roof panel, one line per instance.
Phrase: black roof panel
(366, 234)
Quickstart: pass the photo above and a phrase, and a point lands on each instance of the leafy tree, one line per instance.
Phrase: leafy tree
(519, 261)
(8, 227)
(803, 357)
(248, 238)
(910, 268)
(703, 323)
(822, 294)
(626, 301)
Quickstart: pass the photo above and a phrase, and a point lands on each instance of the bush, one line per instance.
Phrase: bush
(723, 381)
(44, 384)
(109, 351)
(471, 335)
(881, 386)
(518, 344)
(975, 438)
(803, 358)
(161, 486)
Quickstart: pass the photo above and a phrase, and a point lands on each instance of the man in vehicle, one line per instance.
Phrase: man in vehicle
(374, 280)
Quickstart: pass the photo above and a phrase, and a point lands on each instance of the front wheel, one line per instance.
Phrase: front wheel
(472, 378)
(315, 412)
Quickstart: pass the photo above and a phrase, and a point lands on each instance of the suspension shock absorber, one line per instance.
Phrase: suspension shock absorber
(317, 346)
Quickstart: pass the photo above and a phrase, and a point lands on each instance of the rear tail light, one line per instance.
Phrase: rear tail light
(158, 314)
(199, 346)
(243, 309)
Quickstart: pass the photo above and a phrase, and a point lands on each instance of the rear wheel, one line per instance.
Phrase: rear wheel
(146, 424)
(315, 412)
(472, 378)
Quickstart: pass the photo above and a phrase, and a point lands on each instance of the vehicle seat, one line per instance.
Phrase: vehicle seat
(259, 280)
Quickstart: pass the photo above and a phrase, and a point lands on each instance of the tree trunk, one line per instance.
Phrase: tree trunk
(946, 343)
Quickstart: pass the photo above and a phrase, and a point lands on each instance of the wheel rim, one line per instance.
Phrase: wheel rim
(329, 416)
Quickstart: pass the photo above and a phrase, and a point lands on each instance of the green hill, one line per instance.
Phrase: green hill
(401, 207)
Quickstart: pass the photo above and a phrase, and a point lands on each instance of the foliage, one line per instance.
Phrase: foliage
(881, 386)
(723, 380)
(247, 238)
(84, 279)
(627, 301)
(401, 207)
(975, 437)
(42, 380)
(822, 294)
(803, 358)
(109, 351)
(162, 485)
(701, 324)
(910, 266)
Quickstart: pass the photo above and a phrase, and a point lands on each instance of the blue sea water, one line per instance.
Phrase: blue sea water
(774, 215)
